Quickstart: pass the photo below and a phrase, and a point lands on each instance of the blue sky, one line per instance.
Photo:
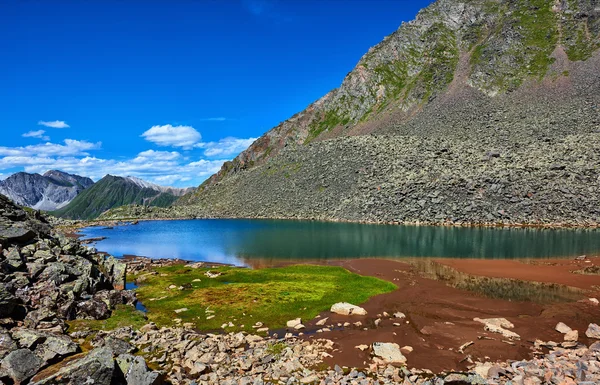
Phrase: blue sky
(168, 90)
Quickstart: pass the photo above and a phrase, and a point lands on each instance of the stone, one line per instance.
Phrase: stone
(322, 321)
(293, 323)
(97, 367)
(362, 347)
(16, 235)
(47, 346)
(498, 325)
(7, 344)
(93, 309)
(116, 345)
(500, 322)
(593, 331)
(572, 336)
(388, 352)
(562, 328)
(20, 365)
(8, 302)
(310, 379)
(594, 301)
(136, 371)
(345, 308)
(399, 315)
(407, 349)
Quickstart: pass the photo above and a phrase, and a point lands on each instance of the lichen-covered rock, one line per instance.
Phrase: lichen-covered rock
(20, 365)
(96, 367)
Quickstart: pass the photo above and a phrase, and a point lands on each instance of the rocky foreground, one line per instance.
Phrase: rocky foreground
(49, 280)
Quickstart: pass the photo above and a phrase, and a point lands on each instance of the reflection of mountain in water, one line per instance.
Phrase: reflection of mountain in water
(272, 241)
(319, 240)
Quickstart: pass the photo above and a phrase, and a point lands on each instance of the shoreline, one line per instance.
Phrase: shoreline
(80, 224)
(439, 318)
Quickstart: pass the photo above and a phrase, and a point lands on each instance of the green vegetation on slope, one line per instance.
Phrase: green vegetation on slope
(243, 296)
(109, 192)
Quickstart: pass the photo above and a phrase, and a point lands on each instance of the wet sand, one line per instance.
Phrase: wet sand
(440, 318)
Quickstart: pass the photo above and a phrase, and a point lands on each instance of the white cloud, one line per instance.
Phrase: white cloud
(217, 119)
(36, 134)
(70, 148)
(162, 167)
(175, 136)
(226, 147)
(54, 124)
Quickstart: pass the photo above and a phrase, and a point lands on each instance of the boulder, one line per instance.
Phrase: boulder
(97, 367)
(47, 346)
(345, 308)
(388, 352)
(117, 345)
(20, 365)
(93, 309)
(593, 331)
(136, 371)
(13, 234)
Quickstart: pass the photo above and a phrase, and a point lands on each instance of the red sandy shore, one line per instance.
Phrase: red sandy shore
(440, 318)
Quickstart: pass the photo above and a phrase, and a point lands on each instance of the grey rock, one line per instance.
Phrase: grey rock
(136, 371)
(97, 367)
(20, 365)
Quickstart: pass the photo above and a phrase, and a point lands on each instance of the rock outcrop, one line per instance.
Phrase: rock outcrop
(47, 280)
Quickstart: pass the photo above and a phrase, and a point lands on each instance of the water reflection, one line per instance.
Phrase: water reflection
(273, 241)
(499, 288)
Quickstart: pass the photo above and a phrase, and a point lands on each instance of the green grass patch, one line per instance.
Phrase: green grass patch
(329, 120)
(243, 296)
(122, 316)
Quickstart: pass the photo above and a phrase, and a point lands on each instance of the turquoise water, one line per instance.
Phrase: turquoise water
(264, 242)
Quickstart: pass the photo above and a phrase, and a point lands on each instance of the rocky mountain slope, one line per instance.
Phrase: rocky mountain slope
(51, 191)
(114, 191)
(478, 111)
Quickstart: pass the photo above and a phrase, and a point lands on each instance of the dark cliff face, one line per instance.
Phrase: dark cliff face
(491, 46)
(476, 111)
(50, 191)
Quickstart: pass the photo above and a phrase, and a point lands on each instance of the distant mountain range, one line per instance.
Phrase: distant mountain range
(77, 197)
(115, 191)
(51, 191)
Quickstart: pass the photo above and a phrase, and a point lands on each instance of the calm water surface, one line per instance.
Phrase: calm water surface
(265, 242)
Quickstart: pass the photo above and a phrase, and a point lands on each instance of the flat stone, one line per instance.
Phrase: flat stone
(293, 323)
(322, 322)
(388, 352)
(345, 308)
(562, 328)
(500, 322)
